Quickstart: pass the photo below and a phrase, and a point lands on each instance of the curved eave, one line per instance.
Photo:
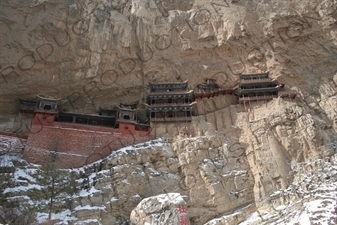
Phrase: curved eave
(257, 90)
(126, 109)
(258, 75)
(171, 93)
(184, 82)
(173, 105)
(48, 99)
(26, 100)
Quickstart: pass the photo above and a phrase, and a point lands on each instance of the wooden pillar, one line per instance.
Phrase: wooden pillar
(252, 110)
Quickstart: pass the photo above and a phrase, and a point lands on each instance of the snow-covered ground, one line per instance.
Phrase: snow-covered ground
(310, 199)
(24, 181)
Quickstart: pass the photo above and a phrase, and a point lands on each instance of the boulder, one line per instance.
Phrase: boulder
(164, 209)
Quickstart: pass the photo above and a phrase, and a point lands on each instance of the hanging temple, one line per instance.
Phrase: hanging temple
(56, 130)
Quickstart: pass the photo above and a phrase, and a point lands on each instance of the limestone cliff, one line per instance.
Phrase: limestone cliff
(98, 53)
(232, 160)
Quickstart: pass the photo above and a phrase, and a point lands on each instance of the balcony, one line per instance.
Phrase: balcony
(257, 98)
(287, 94)
(171, 104)
(259, 80)
(172, 119)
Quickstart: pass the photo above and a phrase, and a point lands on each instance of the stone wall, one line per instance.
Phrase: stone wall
(75, 145)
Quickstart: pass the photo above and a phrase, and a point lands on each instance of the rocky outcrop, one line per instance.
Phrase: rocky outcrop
(169, 208)
(310, 198)
(233, 171)
(279, 136)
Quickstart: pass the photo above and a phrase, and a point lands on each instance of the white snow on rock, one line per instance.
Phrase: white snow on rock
(316, 190)
(10, 150)
(11, 144)
(312, 197)
(63, 217)
(6, 161)
(164, 209)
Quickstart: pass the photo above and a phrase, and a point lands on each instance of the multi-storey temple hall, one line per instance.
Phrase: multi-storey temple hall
(170, 102)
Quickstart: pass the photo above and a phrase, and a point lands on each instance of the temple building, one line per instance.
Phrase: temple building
(126, 115)
(210, 89)
(170, 102)
(46, 110)
(27, 106)
(95, 120)
(255, 87)
(72, 139)
(107, 112)
(47, 105)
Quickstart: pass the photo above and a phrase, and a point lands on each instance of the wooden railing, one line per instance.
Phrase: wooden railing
(285, 94)
(256, 80)
(257, 98)
(171, 104)
(171, 119)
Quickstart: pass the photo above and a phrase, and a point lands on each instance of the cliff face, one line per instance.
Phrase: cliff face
(100, 53)
(232, 159)
(251, 165)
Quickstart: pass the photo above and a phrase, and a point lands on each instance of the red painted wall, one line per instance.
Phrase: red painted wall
(75, 145)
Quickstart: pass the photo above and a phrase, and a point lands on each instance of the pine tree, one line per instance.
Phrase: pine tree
(11, 212)
(4, 196)
(54, 187)
(4, 183)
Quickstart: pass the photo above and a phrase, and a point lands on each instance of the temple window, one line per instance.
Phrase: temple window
(94, 122)
(47, 107)
(81, 120)
(161, 101)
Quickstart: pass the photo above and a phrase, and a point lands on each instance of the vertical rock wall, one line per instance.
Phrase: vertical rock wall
(99, 53)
